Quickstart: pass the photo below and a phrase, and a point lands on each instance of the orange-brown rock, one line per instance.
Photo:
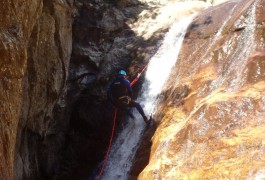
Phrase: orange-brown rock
(217, 130)
(35, 48)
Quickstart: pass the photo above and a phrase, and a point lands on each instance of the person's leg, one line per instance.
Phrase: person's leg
(127, 103)
(129, 112)
(125, 107)
(139, 109)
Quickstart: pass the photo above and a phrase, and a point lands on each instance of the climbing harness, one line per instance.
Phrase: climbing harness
(114, 123)
(125, 99)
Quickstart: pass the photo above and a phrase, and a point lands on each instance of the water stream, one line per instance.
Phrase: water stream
(124, 148)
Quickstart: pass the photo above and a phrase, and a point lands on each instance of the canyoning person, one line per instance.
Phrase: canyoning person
(120, 94)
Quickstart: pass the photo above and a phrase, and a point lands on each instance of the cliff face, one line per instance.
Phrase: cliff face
(213, 124)
(107, 36)
(52, 95)
(35, 48)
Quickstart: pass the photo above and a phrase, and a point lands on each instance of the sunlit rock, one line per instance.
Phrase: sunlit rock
(217, 130)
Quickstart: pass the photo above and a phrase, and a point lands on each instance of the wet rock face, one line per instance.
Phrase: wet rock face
(217, 129)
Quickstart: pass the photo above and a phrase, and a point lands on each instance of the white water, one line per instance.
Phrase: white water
(124, 148)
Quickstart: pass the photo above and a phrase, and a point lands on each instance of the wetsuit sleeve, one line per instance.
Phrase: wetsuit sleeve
(128, 86)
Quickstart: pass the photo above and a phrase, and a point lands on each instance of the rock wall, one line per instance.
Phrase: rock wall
(52, 95)
(213, 125)
(35, 51)
(107, 36)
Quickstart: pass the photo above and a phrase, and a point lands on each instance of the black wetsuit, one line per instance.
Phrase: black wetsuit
(120, 94)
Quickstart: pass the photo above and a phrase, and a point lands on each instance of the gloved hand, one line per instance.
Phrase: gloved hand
(138, 75)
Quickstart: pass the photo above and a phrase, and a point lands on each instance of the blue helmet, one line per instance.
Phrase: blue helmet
(122, 72)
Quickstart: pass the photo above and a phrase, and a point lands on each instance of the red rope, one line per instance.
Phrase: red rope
(110, 142)
(139, 74)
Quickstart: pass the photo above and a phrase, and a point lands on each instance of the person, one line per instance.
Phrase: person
(120, 94)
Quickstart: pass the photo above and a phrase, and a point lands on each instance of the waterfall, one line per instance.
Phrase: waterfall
(124, 148)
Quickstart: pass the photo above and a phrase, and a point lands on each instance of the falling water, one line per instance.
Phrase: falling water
(161, 64)
(124, 148)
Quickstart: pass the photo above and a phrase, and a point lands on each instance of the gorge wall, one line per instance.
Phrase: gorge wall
(58, 57)
(212, 124)
(35, 49)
